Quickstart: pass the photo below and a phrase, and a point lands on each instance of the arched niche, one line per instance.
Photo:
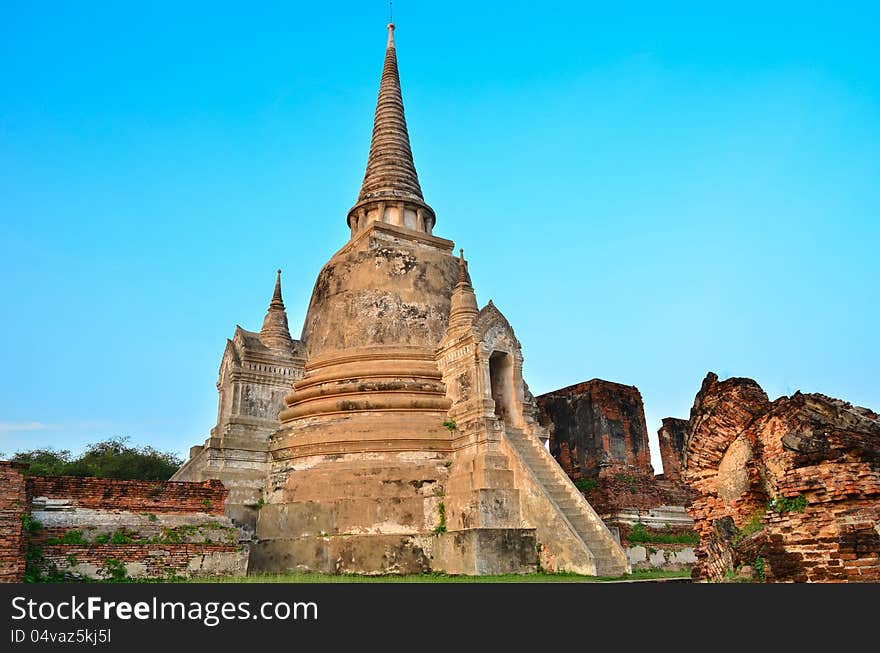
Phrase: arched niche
(502, 383)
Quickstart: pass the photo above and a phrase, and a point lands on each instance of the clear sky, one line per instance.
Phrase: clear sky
(648, 191)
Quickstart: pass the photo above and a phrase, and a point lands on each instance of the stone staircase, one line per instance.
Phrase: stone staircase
(609, 557)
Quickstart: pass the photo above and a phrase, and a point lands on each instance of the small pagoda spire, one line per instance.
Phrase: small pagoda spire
(463, 307)
(463, 274)
(276, 296)
(275, 332)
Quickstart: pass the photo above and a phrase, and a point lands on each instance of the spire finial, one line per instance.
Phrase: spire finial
(276, 296)
(390, 35)
(391, 11)
(463, 276)
(463, 306)
(275, 330)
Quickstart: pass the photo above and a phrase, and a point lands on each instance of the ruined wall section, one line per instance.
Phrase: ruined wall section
(13, 504)
(599, 437)
(788, 490)
(597, 427)
(672, 436)
(207, 497)
(108, 528)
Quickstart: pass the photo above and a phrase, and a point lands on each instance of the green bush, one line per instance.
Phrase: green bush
(441, 527)
(113, 569)
(112, 458)
(121, 536)
(29, 524)
(631, 481)
(586, 484)
(752, 526)
(789, 504)
(760, 569)
(72, 536)
(641, 534)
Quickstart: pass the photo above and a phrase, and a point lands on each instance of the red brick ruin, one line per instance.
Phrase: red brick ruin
(90, 527)
(787, 490)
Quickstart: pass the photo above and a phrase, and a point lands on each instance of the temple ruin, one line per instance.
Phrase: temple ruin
(406, 438)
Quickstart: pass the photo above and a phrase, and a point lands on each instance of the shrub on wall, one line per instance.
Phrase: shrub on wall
(112, 458)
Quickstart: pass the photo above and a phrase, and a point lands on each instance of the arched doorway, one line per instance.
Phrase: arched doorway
(501, 380)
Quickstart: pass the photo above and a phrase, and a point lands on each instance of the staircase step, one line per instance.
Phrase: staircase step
(551, 477)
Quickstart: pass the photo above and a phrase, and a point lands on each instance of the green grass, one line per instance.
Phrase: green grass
(304, 577)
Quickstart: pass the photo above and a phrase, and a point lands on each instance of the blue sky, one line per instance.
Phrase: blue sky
(648, 191)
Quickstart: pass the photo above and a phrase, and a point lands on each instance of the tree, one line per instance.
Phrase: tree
(112, 458)
(44, 462)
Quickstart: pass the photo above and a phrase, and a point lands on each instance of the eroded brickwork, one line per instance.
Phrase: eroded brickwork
(599, 437)
(789, 489)
(164, 561)
(105, 528)
(642, 492)
(597, 427)
(671, 437)
(136, 496)
(13, 503)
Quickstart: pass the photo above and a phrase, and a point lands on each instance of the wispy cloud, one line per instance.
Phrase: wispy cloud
(8, 427)
(22, 427)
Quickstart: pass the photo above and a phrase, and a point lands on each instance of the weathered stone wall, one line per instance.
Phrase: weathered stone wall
(352, 513)
(672, 437)
(103, 528)
(788, 490)
(672, 557)
(596, 426)
(13, 504)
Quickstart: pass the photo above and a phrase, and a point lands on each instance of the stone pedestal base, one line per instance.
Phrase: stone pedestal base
(369, 554)
(481, 551)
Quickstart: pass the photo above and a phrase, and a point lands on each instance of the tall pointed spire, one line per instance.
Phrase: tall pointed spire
(390, 191)
(275, 332)
(390, 168)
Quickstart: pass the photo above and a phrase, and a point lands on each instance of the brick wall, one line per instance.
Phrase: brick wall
(163, 561)
(596, 425)
(615, 491)
(90, 527)
(111, 494)
(13, 503)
